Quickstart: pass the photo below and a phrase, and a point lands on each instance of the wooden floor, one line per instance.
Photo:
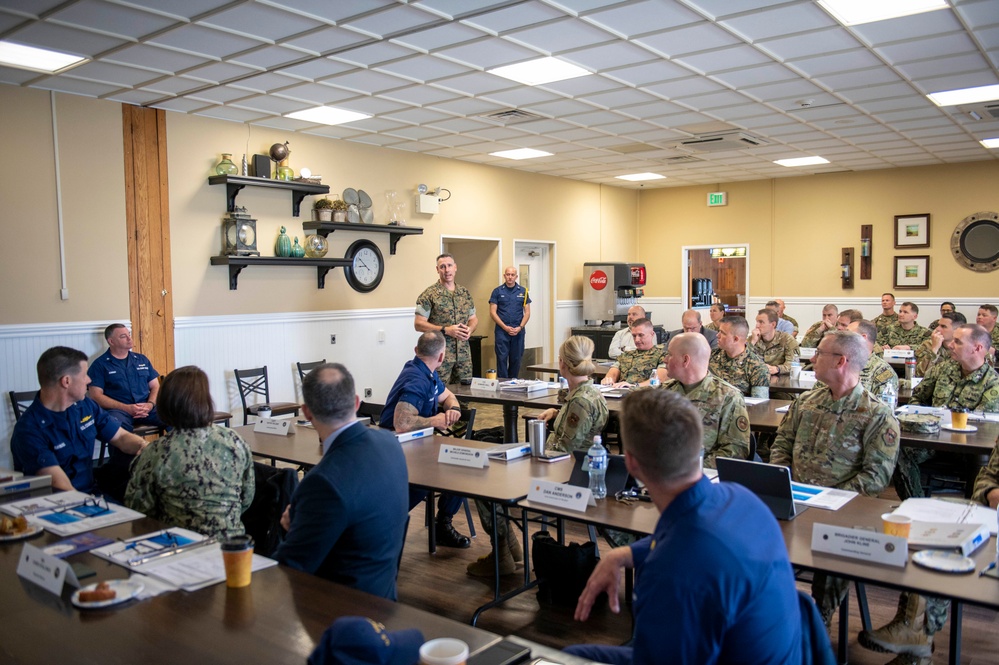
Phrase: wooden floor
(439, 583)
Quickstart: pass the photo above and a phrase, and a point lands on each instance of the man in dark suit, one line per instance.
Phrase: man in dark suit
(347, 519)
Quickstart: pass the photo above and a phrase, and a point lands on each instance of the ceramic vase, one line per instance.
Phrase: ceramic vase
(283, 245)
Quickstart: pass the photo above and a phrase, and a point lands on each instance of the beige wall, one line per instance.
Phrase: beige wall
(93, 201)
(797, 227)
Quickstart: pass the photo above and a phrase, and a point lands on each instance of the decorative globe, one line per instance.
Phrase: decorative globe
(280, 151)
(316, 246)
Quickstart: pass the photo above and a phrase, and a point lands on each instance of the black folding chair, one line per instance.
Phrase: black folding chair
(254, 382)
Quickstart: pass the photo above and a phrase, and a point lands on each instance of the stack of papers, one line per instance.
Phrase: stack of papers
(70, 513)
(755, 400)
(525, 385)
(827, 498)
(952, 512)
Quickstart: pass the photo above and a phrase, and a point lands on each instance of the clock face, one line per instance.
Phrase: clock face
(247, 235)
(367, 267)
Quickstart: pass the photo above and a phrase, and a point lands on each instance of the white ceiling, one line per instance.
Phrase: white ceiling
(664, 71)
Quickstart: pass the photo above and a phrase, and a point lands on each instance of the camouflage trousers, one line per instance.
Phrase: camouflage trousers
(486, 518)
(906, 479)
(829, 592)
(936, 612)
(457, 363)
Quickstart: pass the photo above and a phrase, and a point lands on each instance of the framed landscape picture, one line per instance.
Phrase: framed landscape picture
(912, 272)
(912, 231)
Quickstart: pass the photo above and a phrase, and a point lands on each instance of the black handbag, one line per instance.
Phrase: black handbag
(562, 570)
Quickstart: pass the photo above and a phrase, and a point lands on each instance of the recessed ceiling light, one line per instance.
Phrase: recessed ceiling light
(521, 153)
(327, 115)
(537, 72)
(36, 59)
(636, 177)
(985, 93)
(802, 161)
(855, 12)
(990, 143)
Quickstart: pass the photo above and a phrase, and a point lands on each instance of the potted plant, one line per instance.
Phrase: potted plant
(339, 207)
(323, 209)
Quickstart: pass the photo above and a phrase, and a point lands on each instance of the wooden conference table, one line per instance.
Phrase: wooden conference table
(279, 618)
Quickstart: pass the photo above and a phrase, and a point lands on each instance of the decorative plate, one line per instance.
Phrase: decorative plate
(947, 562)
(350, 196)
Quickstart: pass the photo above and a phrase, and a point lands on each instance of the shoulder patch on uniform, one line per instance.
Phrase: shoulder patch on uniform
(742, 423)
(573, 419)
(890, 436)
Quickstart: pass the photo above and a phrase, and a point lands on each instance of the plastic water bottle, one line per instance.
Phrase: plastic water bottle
(654, 378)
(795, 366)
(888, 396)
(596, 457)
(563, 383)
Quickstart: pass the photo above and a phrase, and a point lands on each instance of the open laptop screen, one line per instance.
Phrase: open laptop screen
(770, 482)
(617, 478)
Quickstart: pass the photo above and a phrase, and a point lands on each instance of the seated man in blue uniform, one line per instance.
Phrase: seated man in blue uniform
(57, 433)
(413, 404)
(347, 519)
(510, 309)
(123, 382)
(714, 584)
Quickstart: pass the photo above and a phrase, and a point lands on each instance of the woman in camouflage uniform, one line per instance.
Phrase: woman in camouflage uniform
(198, 476)
(584, 413)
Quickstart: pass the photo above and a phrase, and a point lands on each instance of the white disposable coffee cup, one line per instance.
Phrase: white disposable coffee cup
(444, 651)
(263, 413)
(795, 372)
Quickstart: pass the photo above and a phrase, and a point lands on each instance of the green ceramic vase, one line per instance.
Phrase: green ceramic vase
(283, 245)
(297, 250)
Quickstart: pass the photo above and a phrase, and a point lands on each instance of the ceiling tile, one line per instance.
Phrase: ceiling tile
(778, 21)
(180, 104)
(610, 55)
(206, 41)
(655, 109)
(724, 59)
(594, 118)
(365, 81)
(387, 22)
(930, 47)
(468, 107)
(782, 90)
(836, 63)
(75, 86)
(956, 81)
(369, 55)
(873, 92)
(315, 93)
(462, 125)
(557, 36)
(812, 43)
(261, 21)
(970, 62)
(643, 17)
(422, 68)
(414, 133)
(218, 72)
(66, 40)
(488, 53)
(371, 105)
(715, 100)
(513, 17)
(438, 37)
(684, 88)
(520, 96)
(867, 78)
(176, 85)
(114, 19)
(650, 72)
(316, 70)
(265, 82)
(136, 97)
(689, 39)
(417, 117)
(111, 74)
(220, 94)
(270, 104)
(559, 108)
(230, 113)
(327, 40)
(908, 27)
(187, 9)
(614, 99)
(268, 57)
(419, 94)
(476, 83)
(152, 57)
(581, 85)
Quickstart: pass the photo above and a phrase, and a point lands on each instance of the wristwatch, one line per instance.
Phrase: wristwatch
(455, 408)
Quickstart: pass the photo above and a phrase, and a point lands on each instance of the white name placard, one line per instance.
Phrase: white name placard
(45, 570)
(485, 384)
(463, 456)
(860, 544)
(279, 426)
(560, 494)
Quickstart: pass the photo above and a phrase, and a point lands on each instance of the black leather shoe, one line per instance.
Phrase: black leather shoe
(448, 537)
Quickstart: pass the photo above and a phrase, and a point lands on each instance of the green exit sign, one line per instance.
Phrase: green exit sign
(717, 199)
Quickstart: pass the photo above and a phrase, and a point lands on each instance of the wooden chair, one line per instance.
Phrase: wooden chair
(371, 410)
(20, 401)
(305, 368)
(254, 382)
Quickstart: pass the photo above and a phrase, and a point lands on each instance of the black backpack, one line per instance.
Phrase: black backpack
(262, 520)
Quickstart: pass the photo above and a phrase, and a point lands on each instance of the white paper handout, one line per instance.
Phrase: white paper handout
(827, 498)
(70, 513)
(954, 512)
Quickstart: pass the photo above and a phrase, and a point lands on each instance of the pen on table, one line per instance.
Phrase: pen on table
(987, 569)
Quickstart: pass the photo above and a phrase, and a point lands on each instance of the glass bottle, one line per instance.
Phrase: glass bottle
(284, 171)
(226, 167)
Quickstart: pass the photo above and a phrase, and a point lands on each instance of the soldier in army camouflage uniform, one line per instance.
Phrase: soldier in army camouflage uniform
(775, 348)
(717, 312)
(936, 348)
(906, 334)
(815, 332)
(877, 373)
(198, 476)
(918, 618)
(963, 381)
(887, 318)
(986, 318)
(734, 362)
(723, 411)
(945, 306)
(635, 367)
(447, 307)
(839, 436)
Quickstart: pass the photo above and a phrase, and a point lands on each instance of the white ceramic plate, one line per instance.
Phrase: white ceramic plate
(951, 428)
(125, 590)
(32, 531)
(350, 196)
(947, 562)
(363, 199)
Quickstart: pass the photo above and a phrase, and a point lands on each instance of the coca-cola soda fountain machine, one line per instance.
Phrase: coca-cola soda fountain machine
(609, 289)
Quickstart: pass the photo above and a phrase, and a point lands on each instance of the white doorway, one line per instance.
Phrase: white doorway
(534, 261)
(727, 265)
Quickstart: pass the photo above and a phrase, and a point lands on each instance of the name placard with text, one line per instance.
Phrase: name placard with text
(463, 456)
(560, 494)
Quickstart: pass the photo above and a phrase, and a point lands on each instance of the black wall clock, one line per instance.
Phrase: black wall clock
(367, 267)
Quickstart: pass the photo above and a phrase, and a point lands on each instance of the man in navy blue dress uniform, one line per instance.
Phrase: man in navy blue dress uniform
(510, 308)
(714, 584)
(123, 382)
(347, 518)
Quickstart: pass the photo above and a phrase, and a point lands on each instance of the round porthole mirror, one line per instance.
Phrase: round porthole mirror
(975, 242)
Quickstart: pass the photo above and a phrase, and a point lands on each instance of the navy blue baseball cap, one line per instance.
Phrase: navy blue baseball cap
(363, 641)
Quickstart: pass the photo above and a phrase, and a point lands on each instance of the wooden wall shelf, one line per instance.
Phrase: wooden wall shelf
(396, 233)
(237, 263)
(299, 190)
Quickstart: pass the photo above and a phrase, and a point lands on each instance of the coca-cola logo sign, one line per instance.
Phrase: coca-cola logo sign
(598, 280)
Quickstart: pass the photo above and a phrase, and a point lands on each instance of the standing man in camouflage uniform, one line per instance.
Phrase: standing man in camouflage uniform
(717, 313)
(962, 381)
(918, 618)
(936, 348)
(733, 362)
(775, 348)
(448, 308)
(887, 318)
(723, 411)
(781, 314)
(877, 373)
(906, 334)
(839, 436)
(634, 368)
(814, 334)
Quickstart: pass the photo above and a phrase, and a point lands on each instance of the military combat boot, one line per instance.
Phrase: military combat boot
(905, 634)
(483, 566)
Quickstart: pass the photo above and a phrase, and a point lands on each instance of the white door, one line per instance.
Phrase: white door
(532, 261)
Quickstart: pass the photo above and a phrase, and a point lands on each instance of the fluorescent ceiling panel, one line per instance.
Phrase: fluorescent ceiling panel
(327, 115)
(990, 143)
(802, 161)
(856, 12)
(36, 59)
(540, 71)
(521, 153)
(637, 177)
(985, 93)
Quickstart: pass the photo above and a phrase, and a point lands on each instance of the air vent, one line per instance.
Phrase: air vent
(632, 148)
(511, 116)
(685, 159)
(989, 111)
(722, 142)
